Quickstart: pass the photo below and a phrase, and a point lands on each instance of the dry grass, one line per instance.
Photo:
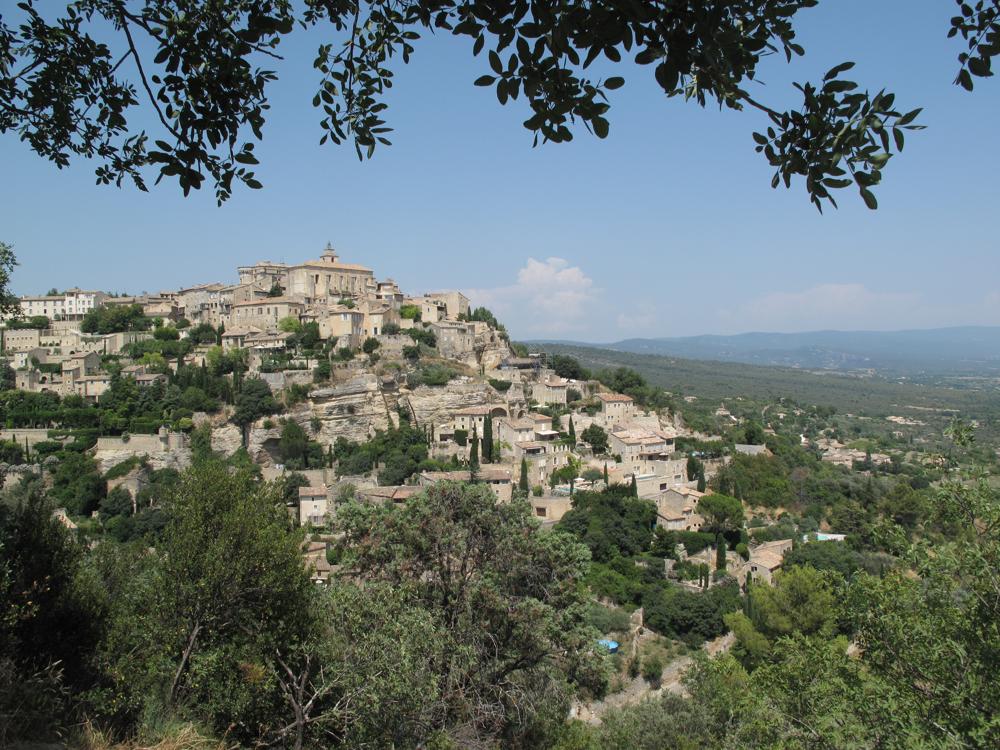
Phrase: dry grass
(180, 737)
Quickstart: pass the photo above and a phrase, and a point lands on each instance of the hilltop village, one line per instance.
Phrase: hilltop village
(395, 464)
(350, 356)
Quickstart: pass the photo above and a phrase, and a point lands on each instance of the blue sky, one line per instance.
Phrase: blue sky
(668, 227)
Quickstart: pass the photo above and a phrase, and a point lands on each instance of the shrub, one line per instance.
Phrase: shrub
(652, 669)
(607, 619)
(409, 312)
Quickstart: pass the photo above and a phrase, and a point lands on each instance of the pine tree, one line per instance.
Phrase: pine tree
(522, 483)
(488, 439)
(572, 430)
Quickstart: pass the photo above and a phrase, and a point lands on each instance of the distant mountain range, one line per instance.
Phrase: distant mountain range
(973, 350)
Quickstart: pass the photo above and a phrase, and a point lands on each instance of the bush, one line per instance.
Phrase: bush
(423, 336)
(500, 385)
(433, 375)
(322, 371)
(652, 669)
(538, 490)
(607, 619)
(390, 329)
(409, 312)
(462, 437)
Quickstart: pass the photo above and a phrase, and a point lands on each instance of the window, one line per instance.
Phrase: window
(540, 511)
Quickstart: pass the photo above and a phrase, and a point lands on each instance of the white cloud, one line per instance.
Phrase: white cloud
(550, 298)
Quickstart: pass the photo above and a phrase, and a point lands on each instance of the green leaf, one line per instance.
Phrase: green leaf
(601, 127)
(485, 80)
(615, 82)
(869, 198)
(837, 70)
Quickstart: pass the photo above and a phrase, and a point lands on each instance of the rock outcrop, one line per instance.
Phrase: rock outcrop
(437, 405)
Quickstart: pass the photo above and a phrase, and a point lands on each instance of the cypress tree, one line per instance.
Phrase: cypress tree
(572, 430)
(720, 552)
(701, 479)
(474, 455)
(488, 439)
(607, 483)
(635, 487)
(522, 483)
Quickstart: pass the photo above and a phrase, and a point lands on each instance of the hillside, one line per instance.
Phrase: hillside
(848, 393)
(971, 350)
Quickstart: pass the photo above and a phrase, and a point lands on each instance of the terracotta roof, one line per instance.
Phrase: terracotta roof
(770, 554)
(614, 397)
(312, 492)
(475, 410)
(484, 474)
(271, 301)
(337, 265)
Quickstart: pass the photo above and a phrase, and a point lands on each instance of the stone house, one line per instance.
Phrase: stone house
(543, 458)
(20, 339)
(677, 509)
(550, 391)
(637, 442)
(431, 310)
(456, 303)
(92, 387)
(498, 480)
(396, 495)
(514, 431)
(475, 416)
(266, 312)
(454, 340)
(313, 504)
(346, 324)
(72, 304)
(329, 278)
(264, 274)
(314, 559)
(207, 303)
(766, 559)
(377, 316)
(616, 408)
(549, 510)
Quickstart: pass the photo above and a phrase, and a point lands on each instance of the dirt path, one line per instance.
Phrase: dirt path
(639, 689)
